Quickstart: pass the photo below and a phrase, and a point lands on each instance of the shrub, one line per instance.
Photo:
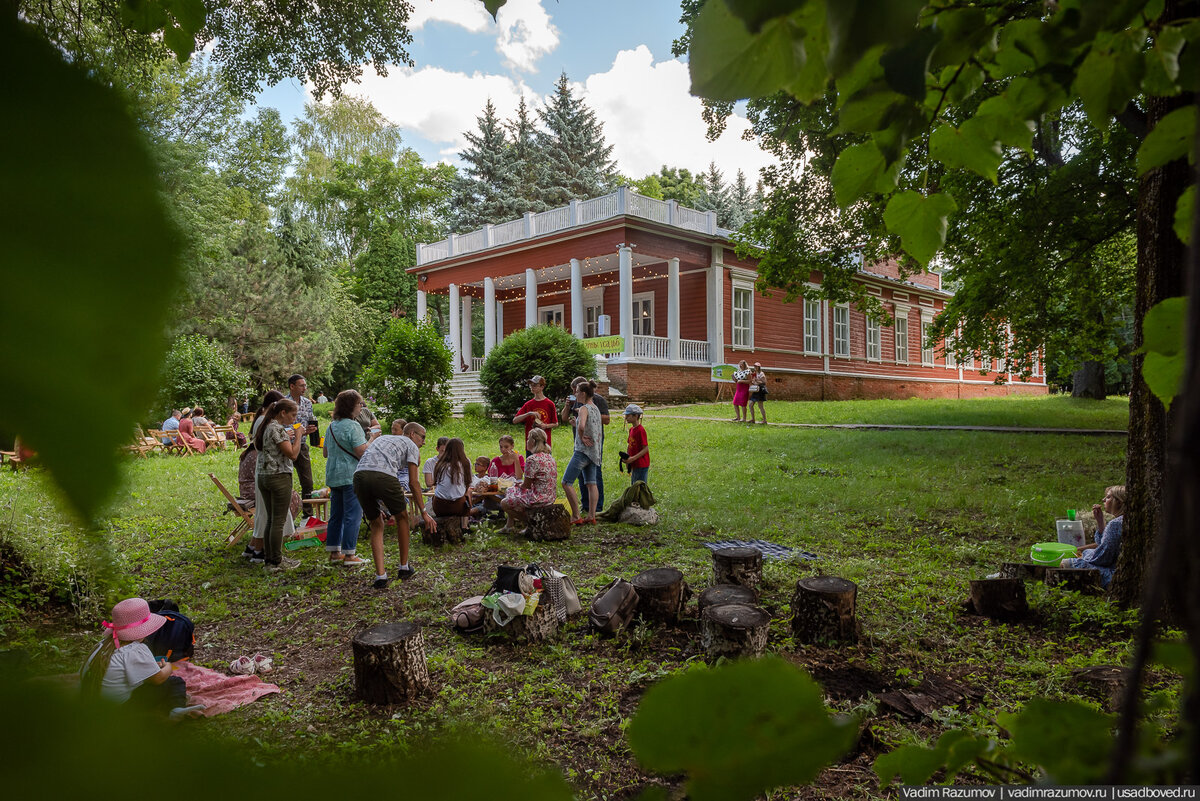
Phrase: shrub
(478, 411)
(545, 350)
(198, 371)
(409, 373)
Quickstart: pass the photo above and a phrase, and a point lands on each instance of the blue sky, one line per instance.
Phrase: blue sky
(616, 52)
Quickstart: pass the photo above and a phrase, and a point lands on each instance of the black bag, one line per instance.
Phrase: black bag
(614, 607)
(621, 466)
(176, 639)
(507, 579)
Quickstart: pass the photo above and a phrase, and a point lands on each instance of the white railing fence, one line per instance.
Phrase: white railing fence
(694, 350)
(477, 363)
(651, 347)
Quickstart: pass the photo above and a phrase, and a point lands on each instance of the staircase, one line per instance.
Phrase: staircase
(465, 388)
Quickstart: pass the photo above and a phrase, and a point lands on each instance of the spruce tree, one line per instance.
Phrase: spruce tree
(716, 195)
(484, 190)
(741, 202)
(576, 162)
(525, 161)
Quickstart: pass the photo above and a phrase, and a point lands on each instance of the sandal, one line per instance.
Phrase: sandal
(591, 521)
(579, 521)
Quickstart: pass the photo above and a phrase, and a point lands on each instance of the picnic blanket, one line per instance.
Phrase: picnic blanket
(770, 550)
(220, 693)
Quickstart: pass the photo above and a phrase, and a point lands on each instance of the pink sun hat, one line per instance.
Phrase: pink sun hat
(133, 620)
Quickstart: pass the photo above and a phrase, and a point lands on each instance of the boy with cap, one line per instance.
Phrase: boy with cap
(638, 448)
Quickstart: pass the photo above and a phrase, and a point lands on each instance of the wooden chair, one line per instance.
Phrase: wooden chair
(236, 505)
(211, 438)
(229, 436)
(173, 444)
(143, 444)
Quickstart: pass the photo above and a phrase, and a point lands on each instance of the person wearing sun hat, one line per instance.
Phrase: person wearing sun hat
(122, 667)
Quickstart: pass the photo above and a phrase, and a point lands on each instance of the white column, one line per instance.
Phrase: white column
(489, 316)
(422, 306)
(625, 263)
(467, 345)
(455, 329)
(716, 308)
(499, 321)
(673, 308)
(577, 321)
(530, 298)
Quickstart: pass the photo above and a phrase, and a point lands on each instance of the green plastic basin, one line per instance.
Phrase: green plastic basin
(1050, 553)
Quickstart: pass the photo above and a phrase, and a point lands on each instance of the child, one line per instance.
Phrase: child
(639, 446)
(427, 468)
(123, 668)
(509, 462)
(481, 483)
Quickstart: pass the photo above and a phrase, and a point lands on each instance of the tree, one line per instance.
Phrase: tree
(716, 194)
(576, 162)
(525, 160)
(486, 192)
(648, 186)
(198, 372)
(741, 202)
(545, 350)
(681, 186)
(409, 373)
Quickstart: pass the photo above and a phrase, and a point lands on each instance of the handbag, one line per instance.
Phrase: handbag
(467, 617)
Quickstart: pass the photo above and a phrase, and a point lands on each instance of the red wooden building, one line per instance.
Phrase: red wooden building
(667, 278)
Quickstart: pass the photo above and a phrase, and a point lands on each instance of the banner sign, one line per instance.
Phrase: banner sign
(723, 373)
(610, 344)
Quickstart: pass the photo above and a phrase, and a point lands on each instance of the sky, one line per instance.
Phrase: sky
(616, 53)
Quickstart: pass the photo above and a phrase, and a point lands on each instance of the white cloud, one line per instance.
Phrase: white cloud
(651, 119)
(526, 34)
(469, 14)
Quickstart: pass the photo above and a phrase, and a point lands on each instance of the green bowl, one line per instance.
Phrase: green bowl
(1050, 553)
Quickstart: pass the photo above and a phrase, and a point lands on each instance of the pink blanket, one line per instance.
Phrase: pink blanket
(220, 693)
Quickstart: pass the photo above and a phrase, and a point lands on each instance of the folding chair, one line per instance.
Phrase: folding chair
(211, 440)
(173, 443)
(246, 523)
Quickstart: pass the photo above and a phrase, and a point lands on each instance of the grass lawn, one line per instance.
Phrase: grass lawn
(910, 516)
(1046, 411)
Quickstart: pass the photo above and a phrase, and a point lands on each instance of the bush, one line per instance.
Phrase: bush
(199, 372)
(409, 373)
(478, 411)
(545, 350)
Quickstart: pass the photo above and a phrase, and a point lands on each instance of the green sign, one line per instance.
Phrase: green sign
(724, 373)
(613, 344)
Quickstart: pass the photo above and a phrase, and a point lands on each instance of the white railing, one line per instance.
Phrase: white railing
(508, 232)
(477, 363)
(694, 350)
(468, 243)
(650, 208)
(434, 251)
(553, 220)
(651, 347)
(691, 219)
(598, 208)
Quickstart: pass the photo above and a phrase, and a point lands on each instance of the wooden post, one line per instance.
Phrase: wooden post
(1078, 579)
(389, 663)
(548, 523)
(449, 532)
(1001, 599)
(538, 627)
(1026, 571)
(733, 630)
(823, 610)
(738, 566)
(662, 593)
(726, 594)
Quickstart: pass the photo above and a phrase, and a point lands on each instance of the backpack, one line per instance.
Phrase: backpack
(467, 617)
(635, 515)
(176, 640)
(614, 607)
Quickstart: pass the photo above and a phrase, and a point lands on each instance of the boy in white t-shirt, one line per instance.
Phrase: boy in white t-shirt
(427, 468)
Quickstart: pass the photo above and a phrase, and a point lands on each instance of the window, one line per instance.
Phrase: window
(591, 320)
(643, 314)
(743, 317)
(986, 365)
(969, 362)
(873, 351)
(841, 330)
(951, 362)
(551, 315)
(901, 338)
(926, 347)
(812, 326)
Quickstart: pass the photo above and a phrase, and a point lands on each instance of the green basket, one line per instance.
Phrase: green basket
(1050, 553)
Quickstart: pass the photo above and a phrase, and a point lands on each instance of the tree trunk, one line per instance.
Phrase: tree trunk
(738, 566)
(1088, 382)
(726, 594)
(733, 630)
(1074, 579)
(1026, 571)
(449, 532)
(662, 593)
(538, 627)
(999, 599)
(1160, 275)
(548, 523)
(823, 610)
(389, 663)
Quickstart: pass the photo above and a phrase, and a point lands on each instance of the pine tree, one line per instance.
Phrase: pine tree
(716, 195)
(525, 161)
(576, 162)
(741, 202)
(484, 190)
(680, 185)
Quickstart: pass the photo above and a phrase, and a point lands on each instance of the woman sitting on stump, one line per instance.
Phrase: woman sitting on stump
(1102, 554)
(538, 487)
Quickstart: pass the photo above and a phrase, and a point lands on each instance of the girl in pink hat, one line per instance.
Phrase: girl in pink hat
(122, 668)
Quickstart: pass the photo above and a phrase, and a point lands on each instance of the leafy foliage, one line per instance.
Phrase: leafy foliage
(409, 374)
(576, 161)
(1165, 347)
(199, 372)
(545, 350)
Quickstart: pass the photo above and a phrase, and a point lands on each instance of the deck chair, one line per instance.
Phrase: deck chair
(235, 505)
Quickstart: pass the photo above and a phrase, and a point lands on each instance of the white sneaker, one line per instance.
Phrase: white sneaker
(242, 666)
(262, 664)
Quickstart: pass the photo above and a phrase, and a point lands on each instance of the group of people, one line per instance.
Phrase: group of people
(750, 388)
(186, 423)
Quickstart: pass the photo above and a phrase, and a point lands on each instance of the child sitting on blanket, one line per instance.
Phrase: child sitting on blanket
(122, 668)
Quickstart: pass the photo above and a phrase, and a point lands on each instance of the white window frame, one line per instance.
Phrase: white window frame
(812, 327)
(559, 309)
(637, 299)
(900, 333)
(874, 341)
(927, 351)
(841, 339)
(742, 336)
(593, 299)
(951, 362)
(969, 363)
(985, 365)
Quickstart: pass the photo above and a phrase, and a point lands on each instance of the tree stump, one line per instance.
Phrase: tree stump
(734, 630)
(726, 594)
(1026, 571)
(449, 532)
(1105, 683)
(738, 566)
(538, 627)
(823, 610)
(1001, 599)
(1078, 579)
(662, 593)
(548, 523)
(389, 663)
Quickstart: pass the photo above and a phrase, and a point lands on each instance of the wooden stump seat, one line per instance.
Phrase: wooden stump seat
(449, 532)
(734, 630)
(538, 627)
(738, 566)
(1026, 571)
(823, 610)
(1078, 579)
(662, 592)
(548, 523)
(723, 594)
(1000, 599)
(389, 663)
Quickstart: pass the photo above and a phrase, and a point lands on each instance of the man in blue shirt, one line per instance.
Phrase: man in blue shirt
(171, 423)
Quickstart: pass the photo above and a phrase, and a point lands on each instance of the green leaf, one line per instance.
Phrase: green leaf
(919, 221)
(1183, 215)
(1189, 59)
(181, 42)
(1022, 48)
(755, 13)
(813, 79)
(905, 66)
(972, 147)
(916, 765)
(1164, 326)
(872, 109)
(190, 14)
(856, 26)
(738, 730)
(1063, 737)
(727, 62)
(861, 170)
(1162, 62)
(85, 238)
(967, 82)
(493, 6)
(1164, 375)
(1171, 139)
(1175, 655)
(144, 16)
(964, 31)
(997, 115)
(1109, 77)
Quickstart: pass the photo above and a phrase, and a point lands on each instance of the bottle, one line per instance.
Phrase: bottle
(1070, 514)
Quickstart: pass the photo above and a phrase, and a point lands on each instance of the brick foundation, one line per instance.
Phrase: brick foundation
(659, 383)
